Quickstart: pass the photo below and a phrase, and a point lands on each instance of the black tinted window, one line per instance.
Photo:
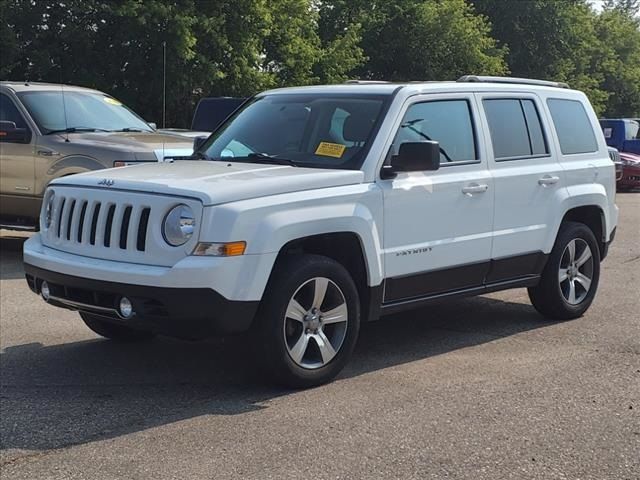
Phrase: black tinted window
(573, 127)
(9, 112)
(515, 127)
(447, 122)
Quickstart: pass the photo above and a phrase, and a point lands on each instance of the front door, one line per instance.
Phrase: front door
(438, 224)
(17, 165)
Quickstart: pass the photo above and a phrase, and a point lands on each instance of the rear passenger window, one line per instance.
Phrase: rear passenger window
(447, 122)
(515, 128)
(573, 127)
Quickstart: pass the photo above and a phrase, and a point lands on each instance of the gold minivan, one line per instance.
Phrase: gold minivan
(49, 131)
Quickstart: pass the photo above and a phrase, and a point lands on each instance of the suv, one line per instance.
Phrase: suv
(48, 131)
(315, 209)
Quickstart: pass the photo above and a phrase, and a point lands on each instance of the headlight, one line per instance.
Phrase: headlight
(48, 211)
(178, 225)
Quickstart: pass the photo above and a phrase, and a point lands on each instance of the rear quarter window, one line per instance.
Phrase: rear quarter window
(573, 127)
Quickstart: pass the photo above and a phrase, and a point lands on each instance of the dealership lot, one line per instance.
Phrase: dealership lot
(478, 388)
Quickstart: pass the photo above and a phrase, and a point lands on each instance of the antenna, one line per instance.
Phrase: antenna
(164, 83)
(164, 92)
(64, 109)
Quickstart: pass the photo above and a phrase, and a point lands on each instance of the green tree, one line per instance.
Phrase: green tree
(226, 47)
(416, 39)
(630, 8)
(549, 39)
(619, 62)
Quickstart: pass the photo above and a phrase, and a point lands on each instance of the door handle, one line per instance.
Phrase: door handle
(47, 153)
(548, 180)
(472, 188)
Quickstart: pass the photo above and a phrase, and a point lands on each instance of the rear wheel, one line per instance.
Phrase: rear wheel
(308, 322)
(114, 331)
(570, 278)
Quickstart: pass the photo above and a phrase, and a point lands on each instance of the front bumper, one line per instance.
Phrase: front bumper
(192, 313)
(630, 177)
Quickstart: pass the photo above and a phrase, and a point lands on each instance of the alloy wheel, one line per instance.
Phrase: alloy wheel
(315, 323)
(576, 271)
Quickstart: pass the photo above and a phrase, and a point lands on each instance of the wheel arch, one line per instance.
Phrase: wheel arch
(345, 247)
(592, 216)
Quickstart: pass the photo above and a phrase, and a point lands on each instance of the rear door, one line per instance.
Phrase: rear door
(528, 179)
(437, 224)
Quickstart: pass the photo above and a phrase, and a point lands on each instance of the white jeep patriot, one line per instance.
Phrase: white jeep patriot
(314, 209)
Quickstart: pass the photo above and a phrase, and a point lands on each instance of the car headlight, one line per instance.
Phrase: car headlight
(48, 211)
(178, 225)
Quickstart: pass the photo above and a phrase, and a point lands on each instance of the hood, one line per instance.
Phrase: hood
(142, 144)
(630, 158)
(214, 182)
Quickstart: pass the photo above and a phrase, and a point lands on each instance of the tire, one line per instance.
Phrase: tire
(112, 331)
(569, 281)
(299, 346)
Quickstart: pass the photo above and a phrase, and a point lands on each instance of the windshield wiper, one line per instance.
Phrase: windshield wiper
(128, 129)
(266, 158)
(76, 130)
(201, 156)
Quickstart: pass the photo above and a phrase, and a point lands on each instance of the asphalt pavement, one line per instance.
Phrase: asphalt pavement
(480, 388)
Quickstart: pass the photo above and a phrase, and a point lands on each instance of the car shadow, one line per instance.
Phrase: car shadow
(60, 395)
(11, 257)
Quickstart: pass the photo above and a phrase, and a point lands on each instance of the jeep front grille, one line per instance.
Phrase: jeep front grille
(113, 225)
(104, 224)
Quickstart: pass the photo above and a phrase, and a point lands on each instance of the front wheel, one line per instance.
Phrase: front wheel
(309, 321)
(570, 279)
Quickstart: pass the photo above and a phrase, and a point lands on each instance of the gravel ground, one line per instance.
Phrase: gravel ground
(479, 388)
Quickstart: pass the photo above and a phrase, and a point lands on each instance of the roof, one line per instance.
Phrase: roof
(464, 84)
(42, 86)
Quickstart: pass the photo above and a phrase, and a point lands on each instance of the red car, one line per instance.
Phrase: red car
(630, 171)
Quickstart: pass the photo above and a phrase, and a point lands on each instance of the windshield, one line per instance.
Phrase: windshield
(323, 131)
(84, 111)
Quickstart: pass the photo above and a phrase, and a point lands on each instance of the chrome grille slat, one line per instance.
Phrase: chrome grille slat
(86, 226)
(134, 225)
(72, 234)
(55, 214)
(95, 222)
(116, 226)
(62, 216)
(102, 223)
(124, 227)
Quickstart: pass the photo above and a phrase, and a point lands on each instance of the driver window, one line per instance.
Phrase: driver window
(448, 122)
(9, 112)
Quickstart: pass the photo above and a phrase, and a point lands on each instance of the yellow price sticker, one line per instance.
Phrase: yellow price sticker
(330, 149)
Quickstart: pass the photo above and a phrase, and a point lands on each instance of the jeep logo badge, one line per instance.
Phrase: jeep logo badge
(107, 182)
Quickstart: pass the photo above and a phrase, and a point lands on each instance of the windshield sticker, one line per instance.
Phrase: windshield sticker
(112, 101)
(330, 149)
(608, 132)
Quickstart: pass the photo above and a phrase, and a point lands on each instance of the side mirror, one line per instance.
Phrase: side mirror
(414, 157)
(153, 125)
(10, 133)
(198, 142)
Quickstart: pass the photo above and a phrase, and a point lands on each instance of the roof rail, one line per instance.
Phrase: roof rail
(512, 80)
(365, 82)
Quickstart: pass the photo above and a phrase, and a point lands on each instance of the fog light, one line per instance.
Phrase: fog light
(126, 308)
(45, 292)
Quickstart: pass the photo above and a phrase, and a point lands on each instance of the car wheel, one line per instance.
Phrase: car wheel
(308, 321)
(113, 331)
(570, 278)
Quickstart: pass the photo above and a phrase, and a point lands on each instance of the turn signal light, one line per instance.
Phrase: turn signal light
(230, 249)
